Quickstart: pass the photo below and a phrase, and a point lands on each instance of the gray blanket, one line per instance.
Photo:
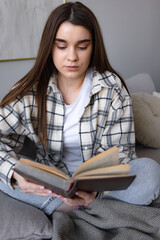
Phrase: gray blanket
(108, 219)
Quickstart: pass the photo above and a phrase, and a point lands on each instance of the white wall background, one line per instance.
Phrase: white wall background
(23, 22)
(131, 30)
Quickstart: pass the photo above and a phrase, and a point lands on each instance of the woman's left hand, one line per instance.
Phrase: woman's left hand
(81, 199)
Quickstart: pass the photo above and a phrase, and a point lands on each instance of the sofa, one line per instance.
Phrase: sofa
(146, 110)
(24, 222)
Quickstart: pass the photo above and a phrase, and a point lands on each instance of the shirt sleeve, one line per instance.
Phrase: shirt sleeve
(119, 128)
(12, 135)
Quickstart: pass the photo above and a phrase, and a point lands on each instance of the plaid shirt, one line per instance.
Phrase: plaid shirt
(107, 121)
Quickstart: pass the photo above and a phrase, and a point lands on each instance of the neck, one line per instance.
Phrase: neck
(69, 88)
(74, 83)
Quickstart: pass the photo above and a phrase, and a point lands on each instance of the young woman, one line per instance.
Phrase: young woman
(72, 105)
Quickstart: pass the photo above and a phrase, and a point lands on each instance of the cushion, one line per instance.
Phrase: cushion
(140, 82)
(157, 94)
(146, 110)
(21, 221)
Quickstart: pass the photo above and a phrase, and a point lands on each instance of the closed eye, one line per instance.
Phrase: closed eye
(82, 47)
(61, 47)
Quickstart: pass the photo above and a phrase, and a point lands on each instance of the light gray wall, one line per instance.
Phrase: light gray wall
(131, 34)
(131, 30)
(11, 72)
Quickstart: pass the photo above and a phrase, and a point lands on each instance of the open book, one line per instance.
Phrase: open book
(100, 173)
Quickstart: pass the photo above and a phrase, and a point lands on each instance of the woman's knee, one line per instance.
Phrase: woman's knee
(147, 180)
(145, 187)
(145, 167)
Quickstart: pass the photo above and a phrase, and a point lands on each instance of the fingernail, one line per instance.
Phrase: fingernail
(49, 191)
(42, 187)
(65, 199)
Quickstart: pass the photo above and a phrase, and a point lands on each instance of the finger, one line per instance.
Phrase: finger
(45, 194)
(74, 201)
(28, 187)
(31, 187)
(25, 185)
(87, 196)
(83, 199)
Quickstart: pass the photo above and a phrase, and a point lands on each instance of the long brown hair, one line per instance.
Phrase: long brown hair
(77, 14)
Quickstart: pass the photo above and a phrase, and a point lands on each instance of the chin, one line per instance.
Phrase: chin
(72, 75)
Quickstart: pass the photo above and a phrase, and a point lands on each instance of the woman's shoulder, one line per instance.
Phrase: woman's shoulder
(107, 79)
(109, 83)
(26, 100)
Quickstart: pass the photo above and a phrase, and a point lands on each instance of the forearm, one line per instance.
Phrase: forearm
(8, 156)
(6, 169)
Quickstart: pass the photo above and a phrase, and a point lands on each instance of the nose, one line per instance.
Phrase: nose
(72, 55)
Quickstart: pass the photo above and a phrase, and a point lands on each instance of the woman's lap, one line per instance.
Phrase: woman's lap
(143, 190)
(146, 186)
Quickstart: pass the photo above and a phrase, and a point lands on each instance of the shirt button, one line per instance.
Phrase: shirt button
(85, 148)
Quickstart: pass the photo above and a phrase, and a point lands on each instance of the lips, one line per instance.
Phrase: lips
(72, 67)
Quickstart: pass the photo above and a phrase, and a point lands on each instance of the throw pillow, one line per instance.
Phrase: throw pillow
(21, 221)
(146, 110)
(157, 94)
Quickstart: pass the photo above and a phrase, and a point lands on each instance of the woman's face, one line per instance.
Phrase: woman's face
(72, 50)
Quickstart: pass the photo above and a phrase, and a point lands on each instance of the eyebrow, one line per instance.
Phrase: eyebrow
(80, 41)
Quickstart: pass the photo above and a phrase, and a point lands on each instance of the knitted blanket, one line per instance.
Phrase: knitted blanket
(108, 220)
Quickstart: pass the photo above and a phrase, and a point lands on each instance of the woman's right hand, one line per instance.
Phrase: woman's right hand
(29, 187)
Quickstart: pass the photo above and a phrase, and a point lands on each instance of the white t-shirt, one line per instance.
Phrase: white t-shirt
(71, 142)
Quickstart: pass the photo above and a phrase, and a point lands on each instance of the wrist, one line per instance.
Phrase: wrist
(14, 182)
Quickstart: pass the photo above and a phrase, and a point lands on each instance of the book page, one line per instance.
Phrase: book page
(44, 167)
(105, 177)
(105, 159)
(122, 169)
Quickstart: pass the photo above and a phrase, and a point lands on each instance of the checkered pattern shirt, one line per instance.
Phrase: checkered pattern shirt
(107, 121)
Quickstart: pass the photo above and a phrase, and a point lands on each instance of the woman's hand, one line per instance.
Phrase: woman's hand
(29, 187)
(82, 199)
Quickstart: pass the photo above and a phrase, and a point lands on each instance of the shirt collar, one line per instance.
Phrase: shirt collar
(103, 80)
(99, 80)
(52, 85)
